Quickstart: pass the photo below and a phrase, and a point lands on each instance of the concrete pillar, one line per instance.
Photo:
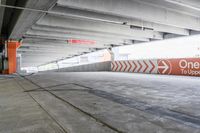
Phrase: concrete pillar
(2, 49)
(112, 54)
(12, 56)
(1, 62)
(19, 63)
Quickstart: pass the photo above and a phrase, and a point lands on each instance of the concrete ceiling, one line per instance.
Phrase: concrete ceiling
(45, 31)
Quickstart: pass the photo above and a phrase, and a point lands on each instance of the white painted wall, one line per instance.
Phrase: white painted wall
(183, 47)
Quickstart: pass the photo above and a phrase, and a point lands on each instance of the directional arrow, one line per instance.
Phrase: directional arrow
(130, 66)
(153, 66)
(112, 65)
(145, 67)
(126, 66)
(164, 67)
(116, 69)
(121, 66)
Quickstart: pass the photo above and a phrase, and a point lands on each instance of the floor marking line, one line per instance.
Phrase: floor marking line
(47, 87)
(43, 108)
(78, 109)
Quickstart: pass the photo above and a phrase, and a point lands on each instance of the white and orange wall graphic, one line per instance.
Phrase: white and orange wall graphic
(179, 66)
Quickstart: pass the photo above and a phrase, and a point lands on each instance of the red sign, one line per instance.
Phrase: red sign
(181, 66)
(185, 66)
(85, 42)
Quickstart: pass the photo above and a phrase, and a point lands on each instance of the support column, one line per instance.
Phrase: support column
(19, 63)
(12, 56)
(2, 54)
(111, 53)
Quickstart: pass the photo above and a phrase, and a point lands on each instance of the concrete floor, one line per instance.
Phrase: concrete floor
(102, 102)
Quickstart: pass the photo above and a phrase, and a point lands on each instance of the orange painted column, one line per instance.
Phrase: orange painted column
(12, 56)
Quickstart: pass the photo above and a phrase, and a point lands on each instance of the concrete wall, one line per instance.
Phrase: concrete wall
(102, 66)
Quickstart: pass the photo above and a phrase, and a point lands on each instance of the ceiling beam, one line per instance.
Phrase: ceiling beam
(64, 49)
(2, 10)
(136, 9)
(52, 51)
(69, 31)
(187, 7)
(66, 36)
(53, 45)
(20, 24)
(39, 37)
(62, 10)
(51, 42)
(40, 54)
(58, 21)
